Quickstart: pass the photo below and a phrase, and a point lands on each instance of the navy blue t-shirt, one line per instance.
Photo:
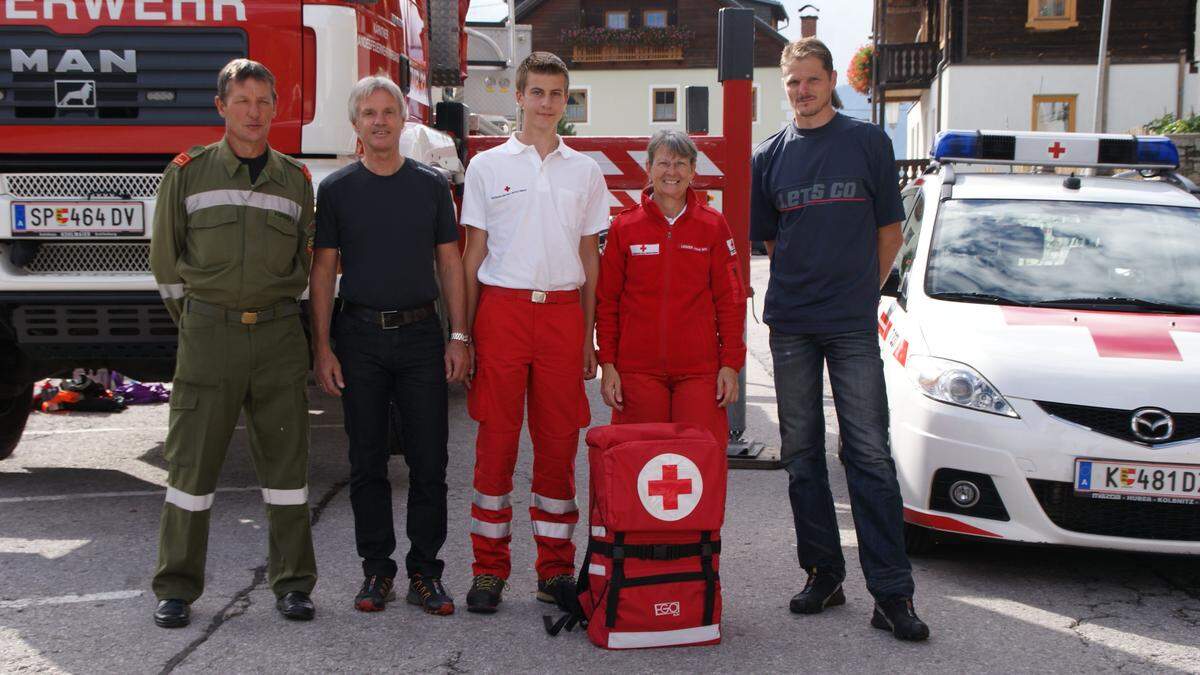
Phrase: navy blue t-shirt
(821, 195)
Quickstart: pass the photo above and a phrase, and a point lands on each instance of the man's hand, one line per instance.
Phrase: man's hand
(589, 360)
(457, 361)
(328, 371)
(727, 387)
(610, 387)
(470, 375)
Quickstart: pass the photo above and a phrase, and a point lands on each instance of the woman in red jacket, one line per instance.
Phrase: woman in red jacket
(670, 303)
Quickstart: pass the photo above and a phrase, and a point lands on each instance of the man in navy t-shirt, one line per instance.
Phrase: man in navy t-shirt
(824, 197)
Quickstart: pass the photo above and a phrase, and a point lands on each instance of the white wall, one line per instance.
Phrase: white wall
(1001, 97)
(620, 100)
(920, 125)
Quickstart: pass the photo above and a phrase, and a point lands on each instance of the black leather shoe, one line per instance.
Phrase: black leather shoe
(820, 591)
(430, 595)
(484, 596)
(898, 616)
(172, 614)
(296, 606)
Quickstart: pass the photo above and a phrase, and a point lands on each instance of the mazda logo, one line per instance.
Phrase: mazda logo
(1152, 425)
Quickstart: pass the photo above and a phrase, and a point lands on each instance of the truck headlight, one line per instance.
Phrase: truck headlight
(957, 384)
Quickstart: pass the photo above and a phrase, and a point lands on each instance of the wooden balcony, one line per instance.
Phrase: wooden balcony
(608, 53)
(908, 67)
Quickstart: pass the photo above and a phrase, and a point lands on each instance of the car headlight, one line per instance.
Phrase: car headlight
(957, 384)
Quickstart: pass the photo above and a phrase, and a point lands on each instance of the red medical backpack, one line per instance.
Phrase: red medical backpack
(650, 577)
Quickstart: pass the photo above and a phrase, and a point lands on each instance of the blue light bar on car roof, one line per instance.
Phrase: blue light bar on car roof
(1040, 148)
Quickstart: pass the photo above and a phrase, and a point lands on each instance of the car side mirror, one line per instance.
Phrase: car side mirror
(891, 287)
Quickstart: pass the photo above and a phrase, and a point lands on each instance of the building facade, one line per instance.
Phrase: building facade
(1032, 64)
(631, 61)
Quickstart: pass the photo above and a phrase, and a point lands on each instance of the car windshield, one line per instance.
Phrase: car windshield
(1066, 253)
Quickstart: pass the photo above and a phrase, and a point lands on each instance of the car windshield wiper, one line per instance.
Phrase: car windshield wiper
(1114, 301)
(985, 298)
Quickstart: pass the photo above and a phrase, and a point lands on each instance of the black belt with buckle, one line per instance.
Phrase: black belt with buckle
(388, 320)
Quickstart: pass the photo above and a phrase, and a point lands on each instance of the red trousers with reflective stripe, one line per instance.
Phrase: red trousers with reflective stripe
(690, 399)
(526, 351)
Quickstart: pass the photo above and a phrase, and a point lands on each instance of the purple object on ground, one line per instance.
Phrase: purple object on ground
(137, 393)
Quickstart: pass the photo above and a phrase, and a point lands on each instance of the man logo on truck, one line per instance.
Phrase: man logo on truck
(73, 61)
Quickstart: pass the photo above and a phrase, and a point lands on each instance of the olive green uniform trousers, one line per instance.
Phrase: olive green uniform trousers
(228, 363)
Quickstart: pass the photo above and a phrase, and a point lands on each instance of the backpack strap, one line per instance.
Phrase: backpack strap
(656, 551)
(572, 610)
(707, 549)
(617, 580)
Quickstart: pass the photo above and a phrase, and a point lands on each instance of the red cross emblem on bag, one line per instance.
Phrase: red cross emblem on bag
(670, 486)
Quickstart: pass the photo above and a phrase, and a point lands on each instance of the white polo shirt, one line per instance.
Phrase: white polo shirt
(535, 211)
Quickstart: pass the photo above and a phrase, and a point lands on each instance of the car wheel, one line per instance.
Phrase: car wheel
(14, 411)
(919, 540)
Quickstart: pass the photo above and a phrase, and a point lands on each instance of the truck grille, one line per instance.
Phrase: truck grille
(80, 186)
(1136, 520)
(71, 258)
(172, 83)
(62, 324)
(1115, 422)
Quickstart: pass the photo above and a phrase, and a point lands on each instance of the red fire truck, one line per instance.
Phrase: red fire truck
(96, 96)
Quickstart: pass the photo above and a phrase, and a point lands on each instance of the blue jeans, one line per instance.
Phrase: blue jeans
(856, 376)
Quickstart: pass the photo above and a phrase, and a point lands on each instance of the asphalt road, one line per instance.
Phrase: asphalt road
(79, 507)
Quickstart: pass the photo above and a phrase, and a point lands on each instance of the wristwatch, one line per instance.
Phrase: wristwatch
(461, 337)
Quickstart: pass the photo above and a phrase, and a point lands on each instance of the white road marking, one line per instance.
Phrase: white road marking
(101, 495)
(1159, 652)
(21, 657)
(69, 599)
(55, 432)
(47, 548)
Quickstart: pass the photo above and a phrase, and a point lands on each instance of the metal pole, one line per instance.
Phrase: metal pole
(874, 62)
(512, 33)
(1102, 71)
(735, 71)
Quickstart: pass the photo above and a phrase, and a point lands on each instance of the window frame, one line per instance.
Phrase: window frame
(616, 12)
(1069, 19)
(1070, 99)
(674, 89)
(666, 15)
(755, 99)
(586, 90)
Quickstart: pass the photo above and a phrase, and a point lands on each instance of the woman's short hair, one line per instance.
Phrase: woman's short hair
(675, 142)
(371, 84)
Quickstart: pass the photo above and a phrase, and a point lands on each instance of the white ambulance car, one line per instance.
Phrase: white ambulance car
(1041, 342)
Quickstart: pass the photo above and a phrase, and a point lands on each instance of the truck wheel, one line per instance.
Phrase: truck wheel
(919, 541)
(14, 411)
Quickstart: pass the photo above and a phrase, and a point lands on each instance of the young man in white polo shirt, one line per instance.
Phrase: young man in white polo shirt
(534, 209)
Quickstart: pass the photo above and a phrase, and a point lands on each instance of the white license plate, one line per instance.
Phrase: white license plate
(1140, 481)
(78, 219)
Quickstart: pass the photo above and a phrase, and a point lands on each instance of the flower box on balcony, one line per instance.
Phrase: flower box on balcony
(599, 53)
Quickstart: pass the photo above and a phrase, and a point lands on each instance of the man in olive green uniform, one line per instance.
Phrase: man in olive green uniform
(230, 254)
